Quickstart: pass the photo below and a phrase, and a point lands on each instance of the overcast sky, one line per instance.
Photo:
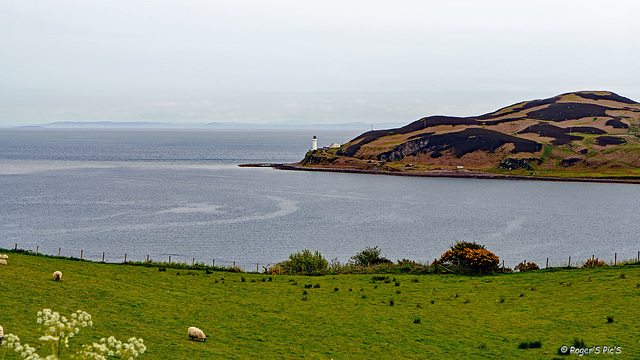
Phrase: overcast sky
(305, 61)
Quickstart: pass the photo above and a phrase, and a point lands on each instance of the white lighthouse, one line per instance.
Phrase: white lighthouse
(314, 145)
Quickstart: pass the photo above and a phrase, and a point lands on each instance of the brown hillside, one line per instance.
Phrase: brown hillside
(579, 134)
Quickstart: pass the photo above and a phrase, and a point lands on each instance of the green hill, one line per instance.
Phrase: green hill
(587, 134)
(259, 316)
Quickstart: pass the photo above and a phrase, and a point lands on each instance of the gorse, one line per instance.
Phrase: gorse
(470, 257)
(57, 330)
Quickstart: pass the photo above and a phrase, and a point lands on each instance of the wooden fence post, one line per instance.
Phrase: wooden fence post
(37, 248)
(169, 260)
(147, 259)
(547, 264)
(103, 256)
(16, 246)
(257, 268)
(213, 263)
(193, 262)
(125, 258)
(615, 261)
(569, 261)
(59, 251)
(81, 251)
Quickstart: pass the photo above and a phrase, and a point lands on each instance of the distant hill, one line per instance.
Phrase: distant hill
(586, 134)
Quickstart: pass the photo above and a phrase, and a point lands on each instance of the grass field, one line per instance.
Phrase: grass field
(253, 316)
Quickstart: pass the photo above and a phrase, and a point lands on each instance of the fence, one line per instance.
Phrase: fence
(260, 267)
(169, 260)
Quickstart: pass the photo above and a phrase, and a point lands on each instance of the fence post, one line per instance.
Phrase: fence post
(147, 259)
(81, 251)
(257, 271)
(103, 256)
(16, 246)
(193, 261)
(61, 248)
(213, 263)
(125, 258)
(547, 264)
(37, 247)
(615, 259)
(569, 261)
(169, 260)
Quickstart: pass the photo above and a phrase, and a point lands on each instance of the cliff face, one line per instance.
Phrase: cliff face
(587, 132)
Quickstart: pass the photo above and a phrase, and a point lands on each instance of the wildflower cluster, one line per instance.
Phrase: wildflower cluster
(26, 351)
(59, 329)
(113, 347)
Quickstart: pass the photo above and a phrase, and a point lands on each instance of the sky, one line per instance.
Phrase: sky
(305, 61)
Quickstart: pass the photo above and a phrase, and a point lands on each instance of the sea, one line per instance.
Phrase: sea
(180, 193)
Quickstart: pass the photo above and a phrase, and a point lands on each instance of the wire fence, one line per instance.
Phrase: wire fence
(262, 267)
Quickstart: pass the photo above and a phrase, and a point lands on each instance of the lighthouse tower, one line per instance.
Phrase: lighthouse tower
(314, 145)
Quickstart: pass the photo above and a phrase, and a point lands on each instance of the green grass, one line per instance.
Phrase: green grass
(437, 317)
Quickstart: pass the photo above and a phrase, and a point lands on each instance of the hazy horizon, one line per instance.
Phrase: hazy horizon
(311, 62)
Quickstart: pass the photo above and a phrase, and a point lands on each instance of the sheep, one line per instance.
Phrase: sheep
(196, 334)
(3, 262)
(4, 256)
(1, 335)
(57, 276)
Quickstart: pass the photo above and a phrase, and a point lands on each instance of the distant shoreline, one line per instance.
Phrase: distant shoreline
(467, 174)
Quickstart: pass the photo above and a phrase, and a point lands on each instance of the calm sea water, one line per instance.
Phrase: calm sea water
(181, 194)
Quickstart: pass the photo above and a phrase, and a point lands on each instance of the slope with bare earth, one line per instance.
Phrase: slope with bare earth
(587, 134)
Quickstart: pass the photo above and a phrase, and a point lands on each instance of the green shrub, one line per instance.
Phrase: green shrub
(305, 262)
(530, 345)
(369, 256)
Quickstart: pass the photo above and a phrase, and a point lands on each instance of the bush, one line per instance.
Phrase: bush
(526, 266)
(304, 262)
(470, 257)
(592, 263)
(530, 345)
(369, 256)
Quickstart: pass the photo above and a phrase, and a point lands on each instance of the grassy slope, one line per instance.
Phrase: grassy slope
(269, 320)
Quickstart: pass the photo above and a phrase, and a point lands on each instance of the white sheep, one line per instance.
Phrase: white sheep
(1, 334)
(57, 276)
(196, 334)
(3, 262)
(4, 256)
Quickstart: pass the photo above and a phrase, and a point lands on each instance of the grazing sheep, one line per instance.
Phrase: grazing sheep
(3, 262)
(4, 256)
(57, 276)
(196, 334)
